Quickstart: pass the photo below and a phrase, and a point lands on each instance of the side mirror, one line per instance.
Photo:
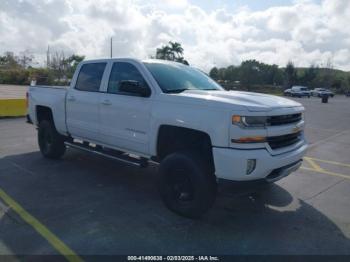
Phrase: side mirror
(134, 87)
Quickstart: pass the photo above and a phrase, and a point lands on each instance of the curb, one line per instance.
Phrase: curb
(13, 107)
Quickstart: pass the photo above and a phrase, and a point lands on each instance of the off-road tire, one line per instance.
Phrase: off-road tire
(51, 143)
(187, 184)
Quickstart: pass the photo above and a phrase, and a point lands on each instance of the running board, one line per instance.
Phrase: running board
(112, 154)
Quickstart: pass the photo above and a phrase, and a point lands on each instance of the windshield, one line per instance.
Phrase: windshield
(303, 89)
(175, 77)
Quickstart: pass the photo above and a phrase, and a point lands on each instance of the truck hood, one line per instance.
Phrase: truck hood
(254, 102)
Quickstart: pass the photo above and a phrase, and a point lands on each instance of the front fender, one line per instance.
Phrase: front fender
(212, 121)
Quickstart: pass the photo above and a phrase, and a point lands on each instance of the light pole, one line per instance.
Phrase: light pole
(111, 47)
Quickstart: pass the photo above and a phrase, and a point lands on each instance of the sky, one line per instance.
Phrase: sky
(213, 33)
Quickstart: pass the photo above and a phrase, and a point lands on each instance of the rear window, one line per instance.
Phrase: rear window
(90, 77)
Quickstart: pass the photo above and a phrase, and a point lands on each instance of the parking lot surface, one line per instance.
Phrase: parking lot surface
(95, 206)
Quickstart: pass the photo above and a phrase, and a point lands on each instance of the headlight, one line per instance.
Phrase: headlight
(249, 121)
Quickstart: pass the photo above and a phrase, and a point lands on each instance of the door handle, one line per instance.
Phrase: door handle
(106, 102)
(71, 98)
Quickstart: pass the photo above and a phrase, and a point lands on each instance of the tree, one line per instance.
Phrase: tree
(163, 53)
(11, 70)
(347, 89)
(57, 65)
(42, 76)
(328, 74)
(9, 61)
(250, 73)
(309, 76)
(173, 52)
(63, 67)
(278, 77)
(25, 59)
(232, 73)
(214, 73)
(222, 73)
(71, 64)
(176, 49)
(290, 75)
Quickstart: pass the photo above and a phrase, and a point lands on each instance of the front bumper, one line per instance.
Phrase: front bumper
(231, 164)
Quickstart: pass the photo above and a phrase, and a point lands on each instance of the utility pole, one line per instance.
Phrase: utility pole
(48, 55)
(111, 47)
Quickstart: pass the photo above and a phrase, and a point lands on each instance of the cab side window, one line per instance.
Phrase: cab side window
(123, 71)
(90, 77)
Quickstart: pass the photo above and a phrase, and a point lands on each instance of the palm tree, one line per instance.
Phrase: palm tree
(163, 53)
(173, 51)
(176, 48)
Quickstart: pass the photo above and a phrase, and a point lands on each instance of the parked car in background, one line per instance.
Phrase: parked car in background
(319, 92)
(297, 91)
(287, 92)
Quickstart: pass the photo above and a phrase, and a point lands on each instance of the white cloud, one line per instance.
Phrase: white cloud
(304, 32)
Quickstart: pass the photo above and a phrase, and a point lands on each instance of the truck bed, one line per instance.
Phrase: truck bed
(53, 97)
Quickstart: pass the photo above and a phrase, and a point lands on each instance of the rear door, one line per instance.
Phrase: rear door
(83, 102)
(125, 117)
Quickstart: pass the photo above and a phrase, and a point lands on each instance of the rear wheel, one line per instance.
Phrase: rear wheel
(51, 143)
(187, 184)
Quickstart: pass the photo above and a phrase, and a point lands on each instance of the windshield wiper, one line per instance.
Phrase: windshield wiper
(184, 89)
(176, 90)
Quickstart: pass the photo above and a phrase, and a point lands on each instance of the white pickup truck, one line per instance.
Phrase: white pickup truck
(165, 112)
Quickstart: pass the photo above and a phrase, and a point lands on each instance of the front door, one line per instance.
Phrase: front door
(125, 117)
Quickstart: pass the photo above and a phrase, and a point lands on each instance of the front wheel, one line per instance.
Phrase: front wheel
(187, 184)
(51, 143)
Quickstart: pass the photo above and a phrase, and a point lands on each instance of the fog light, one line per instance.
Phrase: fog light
(251, 164)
